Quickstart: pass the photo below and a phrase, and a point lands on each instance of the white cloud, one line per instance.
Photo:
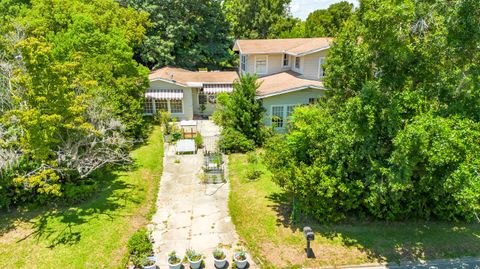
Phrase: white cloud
(301, 8)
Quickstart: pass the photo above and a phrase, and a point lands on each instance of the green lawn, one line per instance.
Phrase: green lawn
(92, 234)
(260, 212)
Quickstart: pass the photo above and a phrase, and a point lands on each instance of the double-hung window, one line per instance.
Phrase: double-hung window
(161, 105)
(321, 69)
(176, 106)
(261, 65)
(277, 116)
(148, 106)
(290, 111)
(243, 64)
(286, 59)
(297, 63)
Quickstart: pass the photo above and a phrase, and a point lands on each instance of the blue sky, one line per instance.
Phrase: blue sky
(301, 8)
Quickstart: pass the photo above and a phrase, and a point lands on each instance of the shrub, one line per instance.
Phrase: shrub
(241, 116)
(253, 174)
(199, 141)
(139, 243)
(163, 118)
(232, 140)
(252, 157)
(74, 193)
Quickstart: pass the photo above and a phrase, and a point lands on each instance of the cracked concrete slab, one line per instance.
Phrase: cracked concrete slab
(191, 214)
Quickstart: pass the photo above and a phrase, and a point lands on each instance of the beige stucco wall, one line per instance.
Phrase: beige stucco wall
(187, 98)
(311, 64)
(274, 63)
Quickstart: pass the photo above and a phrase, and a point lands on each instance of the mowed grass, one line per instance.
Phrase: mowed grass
(261, 213)
(92, 234)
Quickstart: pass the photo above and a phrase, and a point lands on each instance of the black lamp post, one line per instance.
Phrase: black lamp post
(310, 236)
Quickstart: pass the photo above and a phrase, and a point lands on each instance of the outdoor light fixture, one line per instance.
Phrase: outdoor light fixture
(310, 236)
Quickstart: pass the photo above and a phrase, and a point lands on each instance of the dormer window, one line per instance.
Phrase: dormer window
(297, 62)
(261, 65)
(243, 63)
(286, 59)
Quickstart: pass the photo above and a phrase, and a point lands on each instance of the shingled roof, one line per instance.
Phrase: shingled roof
(186, 77)
(269, 85)
(284, 82)
(293, 46)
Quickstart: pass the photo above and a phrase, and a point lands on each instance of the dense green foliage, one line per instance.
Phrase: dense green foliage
(241, 116)
(190, 34)
(320, 23)
(399, 136)
(72, 92)
(139, 244)
(258, 19)
(328, 22)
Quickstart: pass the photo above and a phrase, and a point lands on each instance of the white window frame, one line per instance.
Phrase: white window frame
(170, 107)
(286, 110)
(283, 116)
(321, 71)
(266, 64)
(299, 63)
(288, 60)
(151, 109)
(243, 62)
(154, 106)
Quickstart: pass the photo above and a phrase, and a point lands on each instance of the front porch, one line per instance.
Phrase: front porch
(185, 103)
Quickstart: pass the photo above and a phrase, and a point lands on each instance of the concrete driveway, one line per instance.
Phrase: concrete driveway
(191, 214)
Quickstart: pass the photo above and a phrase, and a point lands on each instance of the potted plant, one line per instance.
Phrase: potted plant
(140, 249)
(240, 258)
(149, 262)
(144, 261)
(194, 258)
(174, 262)
(219, 258)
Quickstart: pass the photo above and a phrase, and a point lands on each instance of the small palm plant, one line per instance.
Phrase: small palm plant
(219, 254)
(241, 255)
(173, 258)
(194, 258)
(220, 258)
(240, 258)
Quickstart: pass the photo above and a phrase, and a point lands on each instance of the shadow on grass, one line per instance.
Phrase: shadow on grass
(60, 224)
(391, 242)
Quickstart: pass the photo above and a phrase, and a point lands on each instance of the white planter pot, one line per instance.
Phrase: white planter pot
(240, 264)
(175, 266)
(195, 265)
(220, 263)
(151, 258)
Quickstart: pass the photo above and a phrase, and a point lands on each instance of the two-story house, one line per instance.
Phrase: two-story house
(290, 74)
